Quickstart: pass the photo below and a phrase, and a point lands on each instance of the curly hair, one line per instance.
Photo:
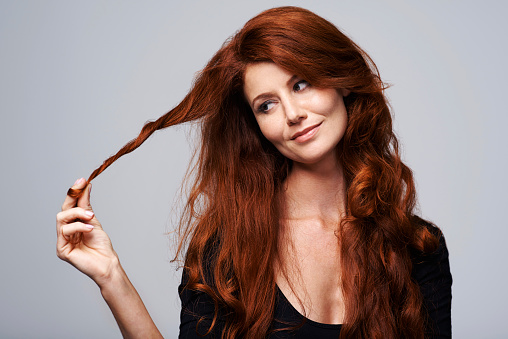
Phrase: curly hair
(234, 205)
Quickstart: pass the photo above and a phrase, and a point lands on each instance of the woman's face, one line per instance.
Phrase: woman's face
(303, 122)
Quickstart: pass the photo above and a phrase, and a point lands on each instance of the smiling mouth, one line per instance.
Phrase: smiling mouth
(306, 133)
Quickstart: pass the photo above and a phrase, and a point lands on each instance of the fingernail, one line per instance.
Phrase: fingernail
(89, 226)
(78, 181)
(89, 213)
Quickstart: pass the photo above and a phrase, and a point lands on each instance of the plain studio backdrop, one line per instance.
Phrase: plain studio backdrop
(78, 80)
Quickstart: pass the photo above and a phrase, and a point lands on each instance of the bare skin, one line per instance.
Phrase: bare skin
(309, 248)
(305, 123)
(94, 256)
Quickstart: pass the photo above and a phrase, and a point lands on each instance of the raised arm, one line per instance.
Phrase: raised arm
(82, 242)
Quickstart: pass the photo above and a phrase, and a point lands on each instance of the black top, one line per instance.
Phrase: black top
(431, 272)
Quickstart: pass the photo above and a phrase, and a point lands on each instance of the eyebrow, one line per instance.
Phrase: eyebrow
(271, 94)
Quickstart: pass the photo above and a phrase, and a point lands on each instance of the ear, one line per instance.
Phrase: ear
(344, 92)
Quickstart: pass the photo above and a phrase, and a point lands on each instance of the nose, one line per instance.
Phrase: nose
(294, 113)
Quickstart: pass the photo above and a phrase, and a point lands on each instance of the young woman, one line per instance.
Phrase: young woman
(300, 221)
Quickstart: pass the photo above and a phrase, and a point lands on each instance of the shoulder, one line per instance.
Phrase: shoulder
(427, 265)
(199, 310)
(431, 271)
(197, 313)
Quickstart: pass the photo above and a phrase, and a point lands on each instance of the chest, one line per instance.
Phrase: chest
(309, 272)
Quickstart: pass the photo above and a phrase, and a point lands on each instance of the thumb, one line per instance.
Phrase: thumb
(84, 200)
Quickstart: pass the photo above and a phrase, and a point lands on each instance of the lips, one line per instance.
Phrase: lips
(306, 133)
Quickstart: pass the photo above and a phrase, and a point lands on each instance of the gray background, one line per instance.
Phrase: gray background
(78, 80)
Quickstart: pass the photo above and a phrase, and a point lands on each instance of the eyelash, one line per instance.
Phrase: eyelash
(262, 108)
(299, 83)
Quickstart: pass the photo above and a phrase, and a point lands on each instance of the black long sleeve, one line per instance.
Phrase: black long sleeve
(432, 273)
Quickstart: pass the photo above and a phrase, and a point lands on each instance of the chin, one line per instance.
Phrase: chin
(314, 158)
(311, 160)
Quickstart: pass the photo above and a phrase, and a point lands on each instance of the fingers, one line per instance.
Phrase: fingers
(70, 202)
(71, 229)
(70, 233)
(73, 214)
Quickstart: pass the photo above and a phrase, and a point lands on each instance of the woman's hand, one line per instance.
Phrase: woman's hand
(81, 241)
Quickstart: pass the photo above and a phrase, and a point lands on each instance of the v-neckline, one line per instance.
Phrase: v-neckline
(285, 301)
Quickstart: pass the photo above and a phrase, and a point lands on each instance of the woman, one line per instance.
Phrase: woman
(300, 220)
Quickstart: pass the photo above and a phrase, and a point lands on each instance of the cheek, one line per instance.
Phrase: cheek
(327, 102)
(270, 129)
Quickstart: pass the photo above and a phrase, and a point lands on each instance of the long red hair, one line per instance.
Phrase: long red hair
(234, 206)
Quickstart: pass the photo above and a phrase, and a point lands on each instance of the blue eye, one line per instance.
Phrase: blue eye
(265, 106)
(300, 85)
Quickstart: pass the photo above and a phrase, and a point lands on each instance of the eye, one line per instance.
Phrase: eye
(300, 85)
(265, 106)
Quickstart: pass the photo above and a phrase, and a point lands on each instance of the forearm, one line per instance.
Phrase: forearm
(127, 307)
(93, 255)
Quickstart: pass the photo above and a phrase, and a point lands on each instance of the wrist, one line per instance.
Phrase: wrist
(112, 275)
(126, 305)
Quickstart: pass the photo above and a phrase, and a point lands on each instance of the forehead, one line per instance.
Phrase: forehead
(263, 77)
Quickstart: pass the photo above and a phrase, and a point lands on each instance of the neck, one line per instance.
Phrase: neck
(316, 191)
